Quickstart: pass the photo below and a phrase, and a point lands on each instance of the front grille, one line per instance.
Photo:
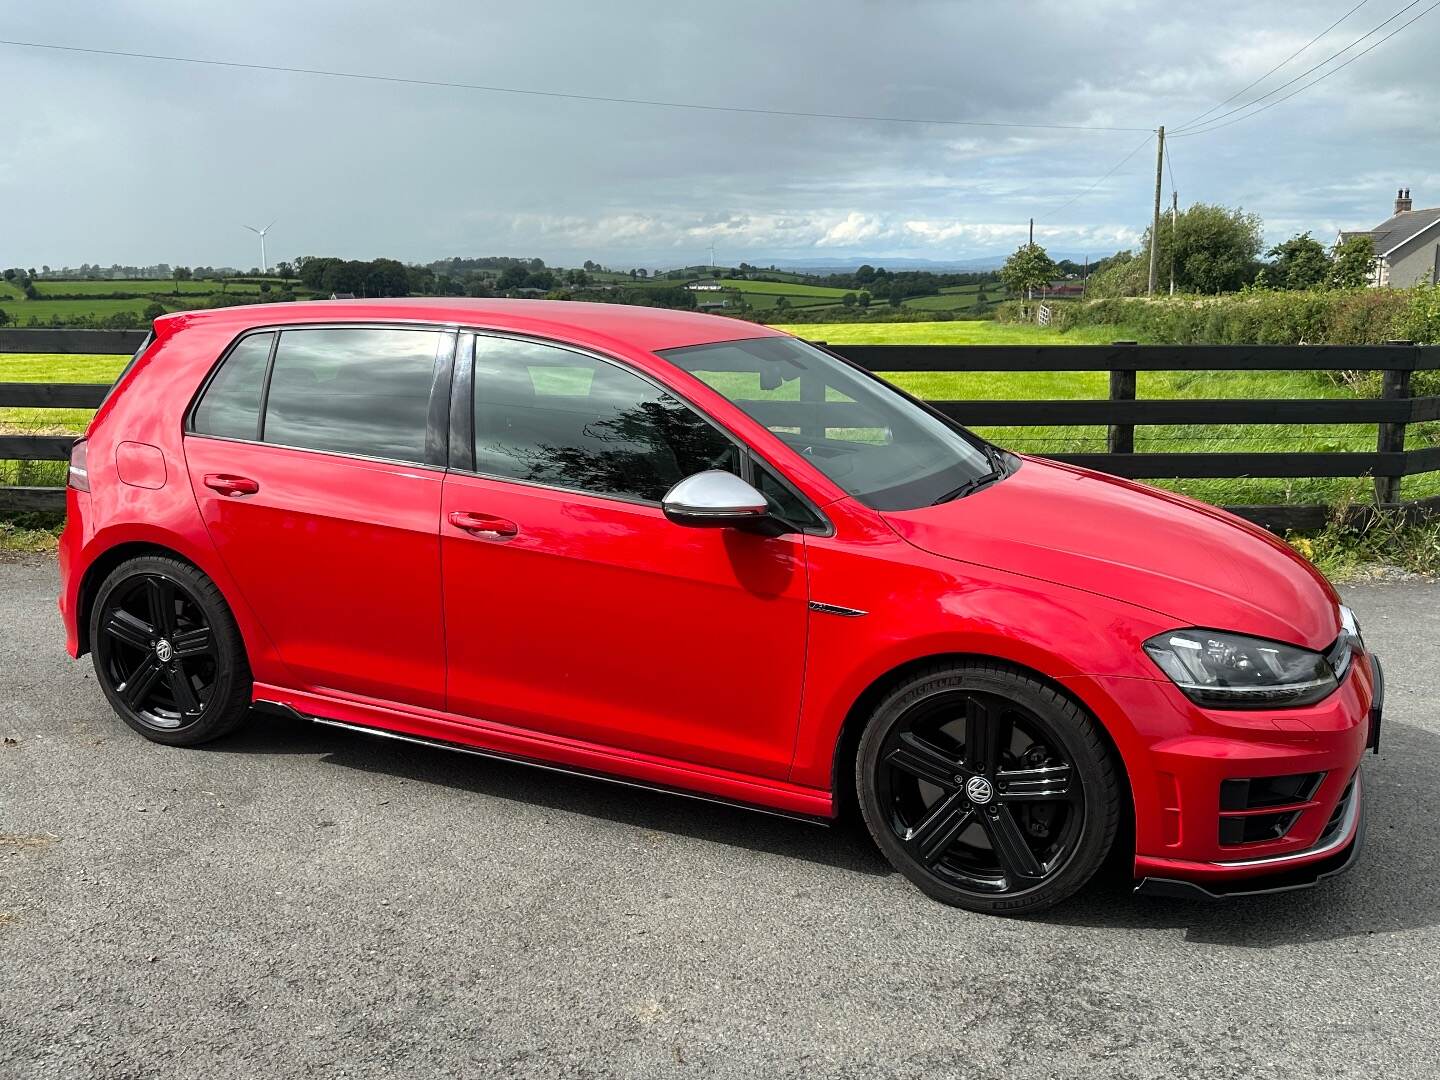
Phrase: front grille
(1241, 797)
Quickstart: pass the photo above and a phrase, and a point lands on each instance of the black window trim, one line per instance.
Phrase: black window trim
(460, 407)
(436, 439)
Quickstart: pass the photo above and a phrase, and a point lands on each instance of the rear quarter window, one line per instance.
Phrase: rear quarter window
(230, 405)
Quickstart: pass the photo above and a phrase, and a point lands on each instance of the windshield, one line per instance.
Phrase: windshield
(871, 440)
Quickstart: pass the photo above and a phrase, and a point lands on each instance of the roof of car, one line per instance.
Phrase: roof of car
(649, 328)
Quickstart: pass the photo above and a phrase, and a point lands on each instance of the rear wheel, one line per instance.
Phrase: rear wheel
(988, 789)
(167, 652)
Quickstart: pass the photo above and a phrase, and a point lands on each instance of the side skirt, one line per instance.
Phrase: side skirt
(553, 754)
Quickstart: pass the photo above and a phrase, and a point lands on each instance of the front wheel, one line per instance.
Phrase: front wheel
(167, 652)
(988, 789)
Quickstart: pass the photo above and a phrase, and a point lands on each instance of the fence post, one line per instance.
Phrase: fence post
(1391, 436)
(1120, 439)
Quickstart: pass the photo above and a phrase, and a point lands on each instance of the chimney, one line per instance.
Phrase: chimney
(1402, 201)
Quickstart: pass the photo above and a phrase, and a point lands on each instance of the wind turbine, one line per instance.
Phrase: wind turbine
(264, 266)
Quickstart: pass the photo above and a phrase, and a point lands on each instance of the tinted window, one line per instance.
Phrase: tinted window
(551, 416)
(357, 391)
(788, 506)
(872, 441)
(231, 405)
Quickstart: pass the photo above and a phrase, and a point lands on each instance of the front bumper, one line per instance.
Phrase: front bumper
(1188, 761)
(1280, 874)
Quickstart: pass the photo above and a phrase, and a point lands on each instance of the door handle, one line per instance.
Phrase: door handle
(231, 486)
(484, 526)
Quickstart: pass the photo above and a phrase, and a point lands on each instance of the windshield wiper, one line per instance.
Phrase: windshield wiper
(997, 471)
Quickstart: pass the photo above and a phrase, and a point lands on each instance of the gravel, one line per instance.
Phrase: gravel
(296, 901)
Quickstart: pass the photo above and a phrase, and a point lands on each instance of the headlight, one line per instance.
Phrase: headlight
(1232, 671)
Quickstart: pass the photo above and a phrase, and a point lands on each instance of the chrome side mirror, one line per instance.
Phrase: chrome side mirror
(714, 499)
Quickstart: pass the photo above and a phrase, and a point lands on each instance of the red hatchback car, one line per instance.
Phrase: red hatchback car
(686, 552)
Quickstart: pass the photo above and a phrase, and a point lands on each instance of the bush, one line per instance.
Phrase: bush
(1258, 317)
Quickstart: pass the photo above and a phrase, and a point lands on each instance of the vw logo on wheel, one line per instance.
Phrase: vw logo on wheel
(163, 651)
(978, 790)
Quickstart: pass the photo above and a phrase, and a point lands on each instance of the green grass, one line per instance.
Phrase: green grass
(783, 288)
(148, 285)
(1193, 438)
(18, 421)
(22, 311)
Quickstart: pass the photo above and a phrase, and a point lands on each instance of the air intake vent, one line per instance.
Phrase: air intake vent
(1240, 799)
(1263, 791)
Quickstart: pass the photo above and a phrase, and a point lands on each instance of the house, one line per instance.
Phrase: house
(1407, 245)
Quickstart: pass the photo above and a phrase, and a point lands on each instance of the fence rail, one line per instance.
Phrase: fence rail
(1120, 413)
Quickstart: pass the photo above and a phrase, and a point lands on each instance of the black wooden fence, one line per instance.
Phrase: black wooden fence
(1392, 412)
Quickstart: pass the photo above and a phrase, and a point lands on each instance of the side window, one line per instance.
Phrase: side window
(552, 416)
(352, 391)
(231, 404)
(788, 505)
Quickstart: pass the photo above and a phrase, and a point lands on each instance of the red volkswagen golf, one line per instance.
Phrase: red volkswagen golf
(686, 552)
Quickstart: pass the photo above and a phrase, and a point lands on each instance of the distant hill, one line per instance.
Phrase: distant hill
(938, 266)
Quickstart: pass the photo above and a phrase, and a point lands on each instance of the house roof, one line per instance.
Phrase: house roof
(1394, 231)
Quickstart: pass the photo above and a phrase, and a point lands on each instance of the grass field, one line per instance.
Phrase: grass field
(165, 285)
(950, 386)
(44, 367)
(21, 311)
(782, 288)
(1150, 384)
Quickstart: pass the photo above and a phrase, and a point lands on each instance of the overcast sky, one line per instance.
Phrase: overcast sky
(107, 159)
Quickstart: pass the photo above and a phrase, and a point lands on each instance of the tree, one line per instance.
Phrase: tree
(781, 303)
(1214, 249)
(848, 300)
(863, 300)
(1353, 263)
(153, 311)
(865, 274)
(1300, 262)
(1030, 268)
(285, 270)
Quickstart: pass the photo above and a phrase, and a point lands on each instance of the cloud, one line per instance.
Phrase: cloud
(135, 161)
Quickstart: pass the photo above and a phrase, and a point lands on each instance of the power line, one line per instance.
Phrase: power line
(1277, 67)
(1214, 120)
(1206, 129)
(1109, 173)
(520, 91)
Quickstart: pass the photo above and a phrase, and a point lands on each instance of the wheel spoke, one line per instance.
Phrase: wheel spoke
(196, 641)
(925, 762)
(987, 733)
(930, 839)
(124, 627)
(1016, 858)
(137, 687)
(181, 690)
(161, 594)
(1047, 783)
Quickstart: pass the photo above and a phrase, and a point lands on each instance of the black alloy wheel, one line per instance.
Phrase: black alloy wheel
(167, 652)
(987, 788)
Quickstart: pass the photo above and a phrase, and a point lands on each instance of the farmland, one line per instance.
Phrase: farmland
(1150, 384)
(953, 386)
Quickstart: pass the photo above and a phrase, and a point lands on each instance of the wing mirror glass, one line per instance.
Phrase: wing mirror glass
(715, 499)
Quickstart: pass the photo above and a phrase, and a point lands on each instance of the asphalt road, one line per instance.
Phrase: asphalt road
(303, 902)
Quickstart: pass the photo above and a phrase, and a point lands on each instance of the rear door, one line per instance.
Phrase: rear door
(314, 457)
(573, 606)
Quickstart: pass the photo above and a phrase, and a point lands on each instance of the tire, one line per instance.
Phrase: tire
(964, 768)
(157, 627)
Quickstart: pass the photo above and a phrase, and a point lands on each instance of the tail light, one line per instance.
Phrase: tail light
(79, 477)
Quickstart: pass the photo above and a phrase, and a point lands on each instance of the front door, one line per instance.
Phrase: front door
(574, 607)
(307, 454)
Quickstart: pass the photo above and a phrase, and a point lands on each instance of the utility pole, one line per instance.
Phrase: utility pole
(1155, 221)
(1032, 232)
(1174, 215)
